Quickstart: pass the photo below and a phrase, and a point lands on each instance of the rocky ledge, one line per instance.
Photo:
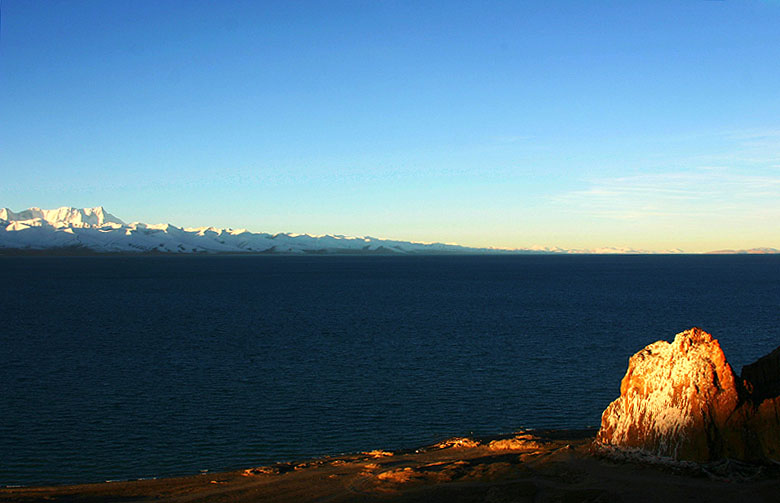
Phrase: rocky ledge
(682, 400)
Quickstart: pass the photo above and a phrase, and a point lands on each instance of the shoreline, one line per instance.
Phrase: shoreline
(551, 433)
(531, 465)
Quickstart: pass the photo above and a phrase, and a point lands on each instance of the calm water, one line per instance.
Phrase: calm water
(128, 367)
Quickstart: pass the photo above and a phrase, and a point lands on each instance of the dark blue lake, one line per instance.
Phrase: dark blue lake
(125, 367)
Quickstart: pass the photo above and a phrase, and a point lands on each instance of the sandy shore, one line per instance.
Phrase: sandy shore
(553, 466)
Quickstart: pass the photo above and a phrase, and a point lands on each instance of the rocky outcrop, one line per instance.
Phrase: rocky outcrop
(682, 400)
(762, 377)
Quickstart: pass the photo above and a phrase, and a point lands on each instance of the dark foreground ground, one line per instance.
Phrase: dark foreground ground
(528, 467)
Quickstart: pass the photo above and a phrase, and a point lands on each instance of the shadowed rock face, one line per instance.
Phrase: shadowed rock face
(682, 400)
(763, 376)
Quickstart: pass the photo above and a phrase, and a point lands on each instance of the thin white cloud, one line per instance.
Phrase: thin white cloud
(711, 191)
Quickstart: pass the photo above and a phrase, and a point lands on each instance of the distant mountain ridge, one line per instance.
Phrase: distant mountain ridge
(95, 230)
(751, 251)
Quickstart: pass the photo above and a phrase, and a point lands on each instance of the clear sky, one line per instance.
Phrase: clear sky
(577, 124)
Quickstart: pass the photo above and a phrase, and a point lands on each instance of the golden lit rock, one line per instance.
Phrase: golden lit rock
(682, 400)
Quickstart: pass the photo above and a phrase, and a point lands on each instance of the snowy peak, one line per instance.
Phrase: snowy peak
(65, 216)
(96, 230)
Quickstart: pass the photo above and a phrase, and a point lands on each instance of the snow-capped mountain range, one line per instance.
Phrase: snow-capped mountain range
(96, 230)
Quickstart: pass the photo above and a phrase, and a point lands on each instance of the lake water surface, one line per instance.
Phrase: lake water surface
(117, 367)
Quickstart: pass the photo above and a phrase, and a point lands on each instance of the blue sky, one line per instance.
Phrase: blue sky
(650, 125)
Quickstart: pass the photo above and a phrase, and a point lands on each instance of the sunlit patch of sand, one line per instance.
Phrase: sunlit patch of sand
(524, 442)
(457, 442)
(403, 476)
(303, 466)
(368, 469)
(377, 453)
(260, 470)
(400, 476)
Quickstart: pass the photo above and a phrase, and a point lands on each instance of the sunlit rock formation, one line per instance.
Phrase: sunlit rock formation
(682, 400)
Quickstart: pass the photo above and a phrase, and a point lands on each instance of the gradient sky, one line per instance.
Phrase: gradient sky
(651, 125)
